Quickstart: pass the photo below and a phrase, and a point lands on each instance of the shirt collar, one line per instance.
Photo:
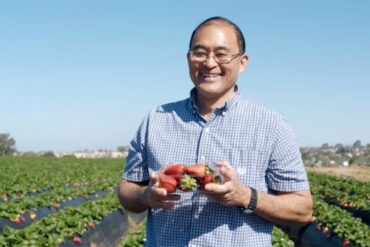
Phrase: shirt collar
(225, 108)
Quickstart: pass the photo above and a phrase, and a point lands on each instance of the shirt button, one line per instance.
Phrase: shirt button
(203, 159)
(207, 130)
(223, 113)
(193, 245)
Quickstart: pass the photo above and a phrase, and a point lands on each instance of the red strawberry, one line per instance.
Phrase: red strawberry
(23, 219)
(345, 243)
(176, 171)
(198, 171)
(209, 179)
(206, 180)
(91, 225)
(168, 183)
(18, 220)
(77, 240)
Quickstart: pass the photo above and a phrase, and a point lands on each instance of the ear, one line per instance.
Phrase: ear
(243, 62)
(188, 58)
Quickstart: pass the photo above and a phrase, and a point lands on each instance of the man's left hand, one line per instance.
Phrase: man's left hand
(232, 192)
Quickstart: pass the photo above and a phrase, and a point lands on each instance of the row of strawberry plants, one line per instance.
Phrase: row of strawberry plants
(54, 229)
(348, 193)
(333, 220)
(350, 205)
(75, 186)
(22, 175)
(13, 209)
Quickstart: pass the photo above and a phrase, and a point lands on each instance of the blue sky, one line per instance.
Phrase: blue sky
(80, 75)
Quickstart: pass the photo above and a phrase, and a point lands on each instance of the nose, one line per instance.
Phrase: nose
(210, 62)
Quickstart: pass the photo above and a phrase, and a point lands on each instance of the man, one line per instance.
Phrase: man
(264, 180)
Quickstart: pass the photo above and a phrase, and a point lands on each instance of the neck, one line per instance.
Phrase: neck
(207, 106)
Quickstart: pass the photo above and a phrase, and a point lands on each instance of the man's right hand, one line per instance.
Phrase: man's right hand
(156, 197)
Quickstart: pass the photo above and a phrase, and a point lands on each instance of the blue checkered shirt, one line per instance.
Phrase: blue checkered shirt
(256, 141)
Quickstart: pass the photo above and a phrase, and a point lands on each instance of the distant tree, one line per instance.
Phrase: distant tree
(357, 144)
(340, 149)
(122, 149)
(7, 144)
(29, 153)
(338, 146)
(325, 146)
(48, 154)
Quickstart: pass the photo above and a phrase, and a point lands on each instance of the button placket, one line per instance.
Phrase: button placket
(204, 139)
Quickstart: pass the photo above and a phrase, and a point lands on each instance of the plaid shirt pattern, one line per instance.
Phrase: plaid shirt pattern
(257, 142)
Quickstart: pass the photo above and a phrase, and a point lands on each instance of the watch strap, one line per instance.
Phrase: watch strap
(252, 203)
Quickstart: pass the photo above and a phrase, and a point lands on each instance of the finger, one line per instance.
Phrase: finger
(213, 188)
(226, 170)
(159, 193)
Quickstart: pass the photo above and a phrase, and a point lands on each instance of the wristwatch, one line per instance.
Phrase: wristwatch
(252, 203)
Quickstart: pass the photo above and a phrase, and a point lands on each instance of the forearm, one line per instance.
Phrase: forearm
(285, 208)
(131, 196)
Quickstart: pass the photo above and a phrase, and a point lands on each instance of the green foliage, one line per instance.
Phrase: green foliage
(348, 192)
(341, 223)
(28, 183)
(7, 144)
(19, 175)
(53, 229)
(280, 238)
(136, 238)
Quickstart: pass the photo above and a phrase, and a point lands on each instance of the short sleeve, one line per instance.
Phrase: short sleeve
(136, 168)
(285, 170)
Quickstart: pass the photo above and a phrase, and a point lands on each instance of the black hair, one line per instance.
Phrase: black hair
(238, 32)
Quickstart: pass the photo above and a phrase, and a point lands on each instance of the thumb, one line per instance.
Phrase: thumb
(226, 170)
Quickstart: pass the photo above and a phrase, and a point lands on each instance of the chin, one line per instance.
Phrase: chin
(208, 91)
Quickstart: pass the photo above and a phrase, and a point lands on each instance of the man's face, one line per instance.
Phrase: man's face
(213, 80)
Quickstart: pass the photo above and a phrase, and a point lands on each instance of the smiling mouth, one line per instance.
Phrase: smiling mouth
(210, 76)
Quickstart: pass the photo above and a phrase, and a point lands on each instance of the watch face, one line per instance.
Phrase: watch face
(247, 210)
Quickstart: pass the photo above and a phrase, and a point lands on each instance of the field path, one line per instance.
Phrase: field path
(361, 173)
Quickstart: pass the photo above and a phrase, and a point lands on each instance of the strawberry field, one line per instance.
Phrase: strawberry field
(51, 202)
(72, 202)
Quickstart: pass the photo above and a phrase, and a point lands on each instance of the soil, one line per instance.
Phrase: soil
(361, 173)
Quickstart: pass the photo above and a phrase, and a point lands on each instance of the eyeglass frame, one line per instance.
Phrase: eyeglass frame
(190, 52)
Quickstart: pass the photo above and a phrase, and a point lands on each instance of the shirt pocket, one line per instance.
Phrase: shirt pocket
(251, 166)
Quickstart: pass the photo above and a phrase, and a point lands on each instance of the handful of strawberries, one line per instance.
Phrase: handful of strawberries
(187, 178)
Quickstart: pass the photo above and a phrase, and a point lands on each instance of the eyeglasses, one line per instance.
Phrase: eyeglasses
(219, 57)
